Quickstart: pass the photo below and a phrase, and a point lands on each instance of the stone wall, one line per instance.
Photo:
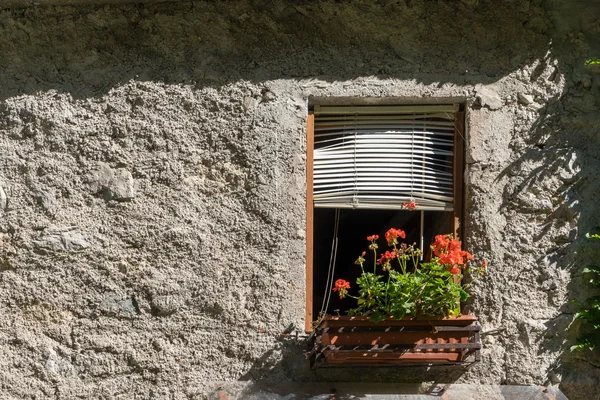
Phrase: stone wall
(153, 188)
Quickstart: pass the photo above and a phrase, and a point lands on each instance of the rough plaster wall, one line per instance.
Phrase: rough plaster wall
(152, 173)
(38, 3)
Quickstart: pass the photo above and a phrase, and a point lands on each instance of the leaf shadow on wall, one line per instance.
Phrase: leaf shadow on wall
(550, 202)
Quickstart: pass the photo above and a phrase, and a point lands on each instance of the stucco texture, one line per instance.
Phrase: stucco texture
(37, 3)
(152, 175)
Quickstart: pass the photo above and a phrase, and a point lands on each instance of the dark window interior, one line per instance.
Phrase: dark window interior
(354, 227)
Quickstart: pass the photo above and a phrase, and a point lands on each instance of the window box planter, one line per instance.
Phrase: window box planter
(356, 341)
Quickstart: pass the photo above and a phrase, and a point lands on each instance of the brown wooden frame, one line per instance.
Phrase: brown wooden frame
(456, 228)
(459, 161)
(310, 147)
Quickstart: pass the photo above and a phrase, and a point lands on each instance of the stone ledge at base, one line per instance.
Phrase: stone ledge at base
(377, 391)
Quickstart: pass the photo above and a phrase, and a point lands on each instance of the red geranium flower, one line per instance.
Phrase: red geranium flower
(386, 257)
(372, 238)
(447, 249)
(411, 205)
(393, 234)
(341, 283)
(341, 286)
(440, 243)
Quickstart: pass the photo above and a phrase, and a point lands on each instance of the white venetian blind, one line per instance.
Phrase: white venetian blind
(380, 157)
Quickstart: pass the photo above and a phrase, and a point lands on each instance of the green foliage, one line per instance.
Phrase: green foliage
(400, 286)
(430, 290)
(590, 309)
(592, 61)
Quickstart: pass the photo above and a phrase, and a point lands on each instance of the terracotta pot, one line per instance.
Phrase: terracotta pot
(352, 341)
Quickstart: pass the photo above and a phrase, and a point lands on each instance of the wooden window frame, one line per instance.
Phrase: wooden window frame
(457, 227)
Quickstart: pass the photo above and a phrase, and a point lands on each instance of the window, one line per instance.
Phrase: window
(365, 165)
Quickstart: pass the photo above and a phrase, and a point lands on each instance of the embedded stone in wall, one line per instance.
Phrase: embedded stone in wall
(488, 97)
(58, 366)
(119, 306)
(61, 240)
(47, 200)
(525, 99)
(163, 306)
(122, 185)
(113, 184)
(7, 251)
(3, 199)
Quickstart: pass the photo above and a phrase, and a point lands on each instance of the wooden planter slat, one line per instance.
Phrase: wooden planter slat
(387, 328)
(345, 321)
(355, 341)
(365, 338)
(353, 358)
(423, 345)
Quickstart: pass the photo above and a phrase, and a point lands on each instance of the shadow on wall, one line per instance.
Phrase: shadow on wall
(292, 366)
(568, 139)
(88, 51)
(556, 183)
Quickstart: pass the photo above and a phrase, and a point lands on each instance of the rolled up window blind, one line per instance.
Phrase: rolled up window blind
(381, 157)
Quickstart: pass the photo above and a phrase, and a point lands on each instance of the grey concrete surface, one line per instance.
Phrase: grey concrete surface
(370, 391)
(152, 185)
